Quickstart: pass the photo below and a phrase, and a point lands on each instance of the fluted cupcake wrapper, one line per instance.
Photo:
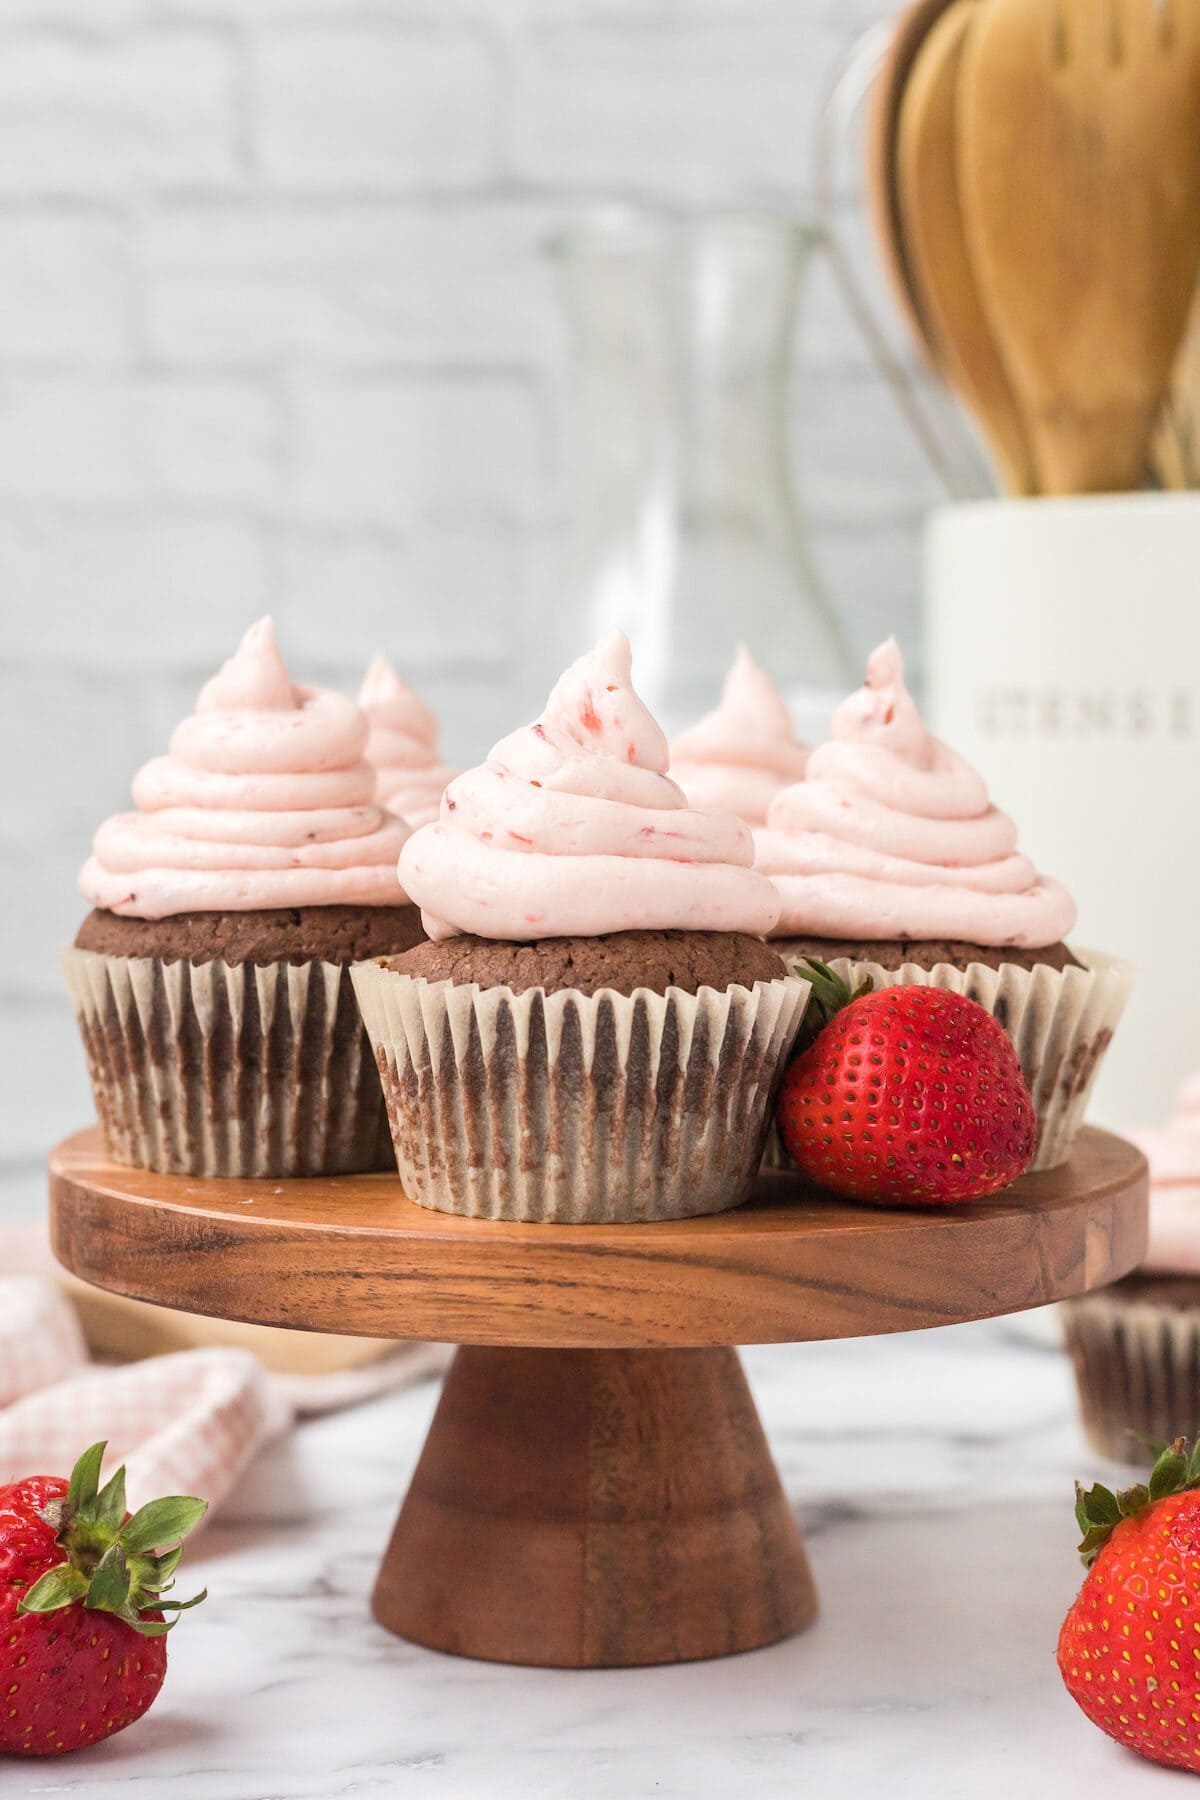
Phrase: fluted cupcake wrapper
(1137, 1366)
(1061, 1023)
(578, 1109)
(228, 1069)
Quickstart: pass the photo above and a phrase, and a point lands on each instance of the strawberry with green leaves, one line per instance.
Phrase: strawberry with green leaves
(83, 1594)
(911, 1096)
(1129, 1649)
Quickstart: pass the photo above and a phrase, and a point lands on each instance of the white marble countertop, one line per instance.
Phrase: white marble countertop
(932, 1475)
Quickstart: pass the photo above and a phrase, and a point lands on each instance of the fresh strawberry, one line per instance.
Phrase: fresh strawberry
(82, 1633)
(1129, 1649)
(907, 1097)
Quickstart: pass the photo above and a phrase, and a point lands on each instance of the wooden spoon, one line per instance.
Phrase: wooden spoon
(1079, 142)
(935, 237)
(1175, 451)
(883, 116)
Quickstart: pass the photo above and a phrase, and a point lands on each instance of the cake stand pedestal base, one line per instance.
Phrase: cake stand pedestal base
(595, 1509)
(595, 1488)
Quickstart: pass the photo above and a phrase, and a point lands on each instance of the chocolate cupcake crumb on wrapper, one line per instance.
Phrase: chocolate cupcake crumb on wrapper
(1137, 1365)
(218, 1069)
(1061, 1022)
(574, 1109)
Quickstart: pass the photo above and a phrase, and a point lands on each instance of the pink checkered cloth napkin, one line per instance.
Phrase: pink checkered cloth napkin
(185, 1423)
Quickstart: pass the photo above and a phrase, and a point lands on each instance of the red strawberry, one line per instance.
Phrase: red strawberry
(911, 1096)
(1129, 1649)
(82, 1634)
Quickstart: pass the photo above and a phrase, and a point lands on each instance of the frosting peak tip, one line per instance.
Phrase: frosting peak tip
(737, 757)
(742, 670)
(380, 682)
(885, 664)
(260, 635)
(254, 679)
(595, 706)
(614, 653)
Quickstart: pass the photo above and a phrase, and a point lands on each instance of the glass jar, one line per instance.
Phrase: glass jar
(683, 525)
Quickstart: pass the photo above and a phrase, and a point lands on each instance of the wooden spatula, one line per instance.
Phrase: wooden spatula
(1175, 449)
(882, 123)
(1079, 160)
(936, 243)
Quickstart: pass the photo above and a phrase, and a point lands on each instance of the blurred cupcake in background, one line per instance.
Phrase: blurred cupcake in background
(892, 863)
(1136, 1345)
(596, 1029)
(403, 745)
(738, 757)
(210, 980)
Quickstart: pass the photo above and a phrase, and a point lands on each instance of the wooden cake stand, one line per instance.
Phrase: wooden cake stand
(595, 1489)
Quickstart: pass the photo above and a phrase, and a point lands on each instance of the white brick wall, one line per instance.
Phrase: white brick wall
(147, 110)
(361, 105)
(65, 294)
(343, 285)
(399, 450)
(719, 102)
(142, 439)
(277, 331)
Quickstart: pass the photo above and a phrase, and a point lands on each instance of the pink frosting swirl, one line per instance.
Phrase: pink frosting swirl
(572, 827)
(738, 756)
(1173, 1152)
(892, 836)
(265, 800)
(403, 745)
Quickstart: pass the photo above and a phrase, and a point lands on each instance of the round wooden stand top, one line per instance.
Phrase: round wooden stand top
(355, 1255)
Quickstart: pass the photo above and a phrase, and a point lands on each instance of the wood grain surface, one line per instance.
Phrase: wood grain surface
(354, 1255)
(595, 1509)
(596, 1495)
(938, 256)
(882, 189)
(1079, 165)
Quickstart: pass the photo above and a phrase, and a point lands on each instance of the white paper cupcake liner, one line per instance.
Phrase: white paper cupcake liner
(228, 1069)
(578, 1109)
(1061, 1023)
(1137, 1367)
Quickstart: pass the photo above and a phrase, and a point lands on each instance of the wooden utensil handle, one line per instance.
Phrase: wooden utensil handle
(1098, 453)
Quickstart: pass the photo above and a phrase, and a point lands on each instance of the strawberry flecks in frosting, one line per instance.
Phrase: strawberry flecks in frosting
(1173, 1152)
(891, 835)
(264, 800)
(738, 757)
(572, 827)
(403, 745)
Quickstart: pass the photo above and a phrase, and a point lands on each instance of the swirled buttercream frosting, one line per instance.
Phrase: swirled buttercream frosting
(737, 757)
(265, 799)
(892, 835)
(402, 746)
(1173, 1152)
(573, 828)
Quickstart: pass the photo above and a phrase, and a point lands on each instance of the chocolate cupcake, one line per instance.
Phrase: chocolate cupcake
(891, 863)
(1136, 1345)
(595, 1030)
(403, 746)
(740, 755)
(211, 980)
